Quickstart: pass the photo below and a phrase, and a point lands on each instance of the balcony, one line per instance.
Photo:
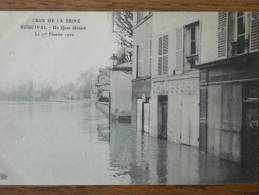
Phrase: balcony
(239, 47)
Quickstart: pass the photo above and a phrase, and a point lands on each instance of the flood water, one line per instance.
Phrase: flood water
(58, 143)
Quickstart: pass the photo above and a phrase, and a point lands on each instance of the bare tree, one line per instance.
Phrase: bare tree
(123, 28)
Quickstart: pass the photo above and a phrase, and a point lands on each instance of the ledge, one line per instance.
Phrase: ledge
(141, 78)
(171, 77)
(237, 60)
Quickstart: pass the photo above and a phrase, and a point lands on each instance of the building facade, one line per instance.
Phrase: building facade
(229, 93)
(142, 69)
(180, 40)
(103, 84)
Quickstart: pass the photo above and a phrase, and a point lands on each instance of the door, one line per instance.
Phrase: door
(250, 127)
(203, 130)
(162, 116)
(139, 114)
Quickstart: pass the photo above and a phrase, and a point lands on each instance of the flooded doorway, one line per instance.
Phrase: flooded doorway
(250, 126)
(162, 116)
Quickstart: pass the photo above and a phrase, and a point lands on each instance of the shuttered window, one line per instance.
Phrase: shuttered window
(254, 33)
(238, 36)
(163, 55)
(233, 33)
(222, 34)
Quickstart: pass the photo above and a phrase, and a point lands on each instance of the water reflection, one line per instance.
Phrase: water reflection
(162, 162)
(70, 143)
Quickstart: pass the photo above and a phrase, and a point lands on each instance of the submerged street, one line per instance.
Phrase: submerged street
(59, 143)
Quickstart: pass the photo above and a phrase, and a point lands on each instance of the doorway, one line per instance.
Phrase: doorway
(162, 116)
(250, 127)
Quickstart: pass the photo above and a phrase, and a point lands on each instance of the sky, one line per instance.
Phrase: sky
(52, 60)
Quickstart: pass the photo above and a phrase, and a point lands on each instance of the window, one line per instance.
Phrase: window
(193, 40)
(241, 32)
(238, 39)
(139, 61)
(163, 55)
(191, 45)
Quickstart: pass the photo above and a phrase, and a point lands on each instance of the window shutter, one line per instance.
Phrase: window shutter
(160, 43)
(254, 32)
(160, 46)
(165, 64)
(179, 50)
(222, 34)
(159, 65)
(165, 52)
(165, 44)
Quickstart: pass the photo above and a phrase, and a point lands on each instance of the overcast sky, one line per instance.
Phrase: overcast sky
(52, 60)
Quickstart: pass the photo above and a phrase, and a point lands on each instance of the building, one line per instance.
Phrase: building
(228, 91)
(121, 71)
(203, 90)
(142, 69)
(180, 40)
(103, 84)
(121, 76)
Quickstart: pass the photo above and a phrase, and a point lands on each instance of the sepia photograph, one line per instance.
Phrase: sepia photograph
(128, 98)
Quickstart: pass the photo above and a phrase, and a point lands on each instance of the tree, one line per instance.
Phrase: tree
(86, 82)
(123, 29)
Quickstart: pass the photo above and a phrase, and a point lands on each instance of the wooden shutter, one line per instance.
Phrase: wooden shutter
(222, 34)
(165, 64)
(254, 32)
(140, 63)
(179, 50)
(159, 65)
(160, 43)
(165, 54)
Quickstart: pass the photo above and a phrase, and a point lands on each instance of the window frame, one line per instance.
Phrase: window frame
(187, 30)
(188, 56)
(245, 34)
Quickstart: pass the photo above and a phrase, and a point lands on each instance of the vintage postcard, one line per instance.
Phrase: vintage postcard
(104, 98)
